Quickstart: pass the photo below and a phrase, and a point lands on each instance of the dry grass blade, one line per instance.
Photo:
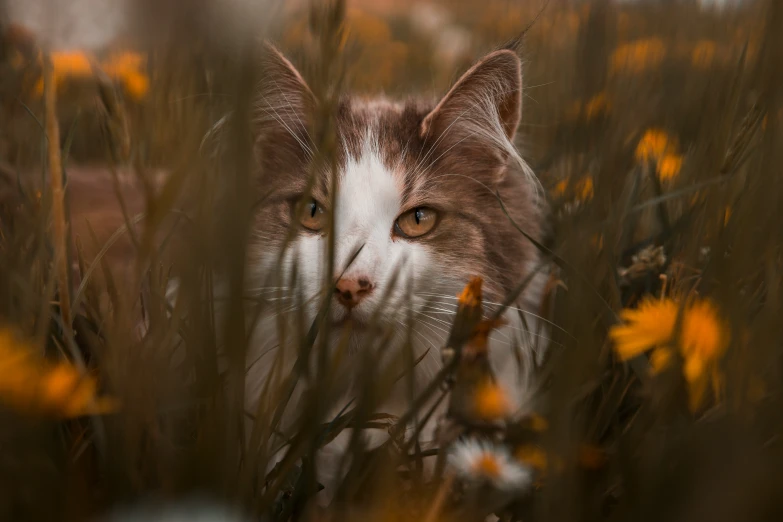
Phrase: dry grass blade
(59, 222)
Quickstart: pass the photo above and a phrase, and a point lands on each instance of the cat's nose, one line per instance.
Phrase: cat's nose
(350, 292)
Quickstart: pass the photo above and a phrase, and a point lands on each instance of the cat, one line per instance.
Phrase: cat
(418, 183)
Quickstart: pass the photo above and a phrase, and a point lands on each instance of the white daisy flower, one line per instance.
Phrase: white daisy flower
(482, 461)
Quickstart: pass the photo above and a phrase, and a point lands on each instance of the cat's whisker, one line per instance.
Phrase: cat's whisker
(267, 290)
(421, 162)
(440, 311)
(433, 349)
(282, 298)
(502, 330)
(453, 146)
(447, 323)
(432, 327)
(301, 125)
(290, 131)
(435, 326)
(497, 305)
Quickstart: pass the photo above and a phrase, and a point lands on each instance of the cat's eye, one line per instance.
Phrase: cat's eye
(416, 222)
(312, 216)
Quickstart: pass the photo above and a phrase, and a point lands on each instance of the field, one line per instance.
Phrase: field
(656, 131)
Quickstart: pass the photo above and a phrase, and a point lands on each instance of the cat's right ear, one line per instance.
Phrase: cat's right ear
(284, 104)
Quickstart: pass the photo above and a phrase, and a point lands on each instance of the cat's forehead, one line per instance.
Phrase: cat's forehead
(392, 126)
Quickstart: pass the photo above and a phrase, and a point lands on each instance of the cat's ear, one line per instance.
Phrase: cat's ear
(284, 103)
(485, 103)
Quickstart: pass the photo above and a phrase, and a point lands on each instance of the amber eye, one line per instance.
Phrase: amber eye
(416, 222)
(312, 216)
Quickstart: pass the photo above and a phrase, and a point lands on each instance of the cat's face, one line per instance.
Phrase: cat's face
(416, 198)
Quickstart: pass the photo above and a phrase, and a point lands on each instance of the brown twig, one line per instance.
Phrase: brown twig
(59, 224)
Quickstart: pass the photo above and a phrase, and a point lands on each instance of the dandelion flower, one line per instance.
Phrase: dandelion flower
(583, 188)
(669, 167)
(661, 148)
(128, 67)
(491, 401)
(483, 462)
(648, 326)
(638, 56)
(532, 456)
(654, 145)
(471, 294)
(65, 65)
(29, 384)
(702, 342)
(137, 85)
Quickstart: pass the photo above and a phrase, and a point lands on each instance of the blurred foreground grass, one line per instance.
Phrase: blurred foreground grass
(655, 128)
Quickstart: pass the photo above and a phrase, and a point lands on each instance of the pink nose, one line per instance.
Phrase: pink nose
(350, 292)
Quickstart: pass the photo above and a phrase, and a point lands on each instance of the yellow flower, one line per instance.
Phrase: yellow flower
(669, 166)
(583, 188)
(126, 68)
(638, 56)
(654, 145)
(67, 64)
(648, 326)
(661, 148)
(137, 85)
(471, 294)
(533, 456)
(660, 359)
(596, 106)
(29, 384)
(491, 402)
(702, 342)
(123, 63)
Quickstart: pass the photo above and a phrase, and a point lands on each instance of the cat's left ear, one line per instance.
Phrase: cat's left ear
(485, 103)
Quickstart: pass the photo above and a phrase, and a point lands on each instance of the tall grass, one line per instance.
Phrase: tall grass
(655, 128)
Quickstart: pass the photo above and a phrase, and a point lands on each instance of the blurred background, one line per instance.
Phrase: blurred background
(654, 127)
